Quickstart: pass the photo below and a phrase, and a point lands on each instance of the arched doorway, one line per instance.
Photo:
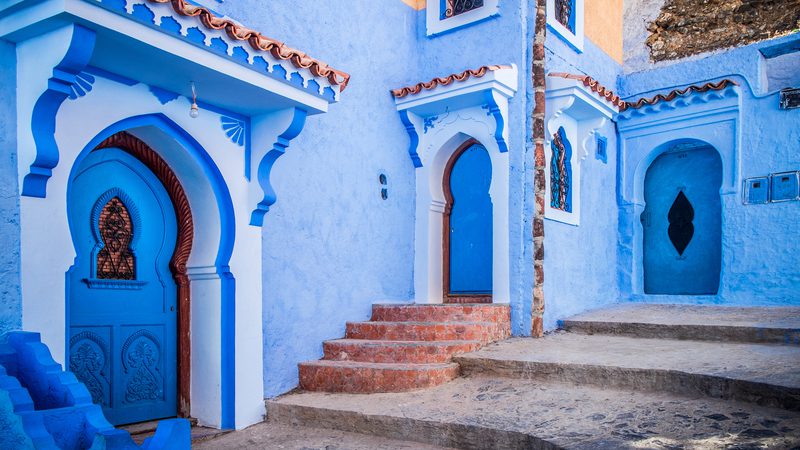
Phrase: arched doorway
(467, 238)
(128, 292)
(682, 221)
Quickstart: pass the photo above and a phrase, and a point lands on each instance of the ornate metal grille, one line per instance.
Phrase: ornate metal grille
(560, 172)
(456, 7)
(564, 12)
(115, 260)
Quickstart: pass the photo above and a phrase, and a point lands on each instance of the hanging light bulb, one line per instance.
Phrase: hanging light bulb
(194, 111)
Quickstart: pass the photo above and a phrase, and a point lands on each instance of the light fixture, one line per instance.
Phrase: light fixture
(194, 111)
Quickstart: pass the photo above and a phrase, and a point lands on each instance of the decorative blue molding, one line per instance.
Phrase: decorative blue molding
(413, 145)
(83, 85)
(494, 109)
(152, 17)
(43, 123)
(265, 166)
(164, 96)
(234, 129)
(428, 122)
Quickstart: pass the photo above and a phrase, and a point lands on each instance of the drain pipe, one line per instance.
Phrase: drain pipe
(537, 309)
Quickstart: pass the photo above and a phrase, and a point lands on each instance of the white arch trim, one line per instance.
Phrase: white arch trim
(708, 119)
(439, 121)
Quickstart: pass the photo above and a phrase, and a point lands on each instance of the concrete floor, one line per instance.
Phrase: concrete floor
(485, 413)
(266, 436)
(707, 315)
(763, 363)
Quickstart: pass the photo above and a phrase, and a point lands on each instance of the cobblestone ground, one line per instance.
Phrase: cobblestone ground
(272, 436)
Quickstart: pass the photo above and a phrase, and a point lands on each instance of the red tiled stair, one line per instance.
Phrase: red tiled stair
(404, 347)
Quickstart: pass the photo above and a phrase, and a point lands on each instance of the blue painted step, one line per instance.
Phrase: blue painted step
(45, 407)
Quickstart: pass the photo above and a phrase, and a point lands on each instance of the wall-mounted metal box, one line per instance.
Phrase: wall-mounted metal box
(784, 186)
(756, 190)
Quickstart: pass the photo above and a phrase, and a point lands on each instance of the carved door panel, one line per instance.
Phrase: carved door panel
(122, 298)
(682, 223)
(470, 224)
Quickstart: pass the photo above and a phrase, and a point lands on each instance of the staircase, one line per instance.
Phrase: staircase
(45, 407)
(631, 376)
(404, 347)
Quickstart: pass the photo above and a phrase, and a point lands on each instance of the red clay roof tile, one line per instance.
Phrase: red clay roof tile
(444, 81)
(710, 86)
(260, 42)
(595, 86)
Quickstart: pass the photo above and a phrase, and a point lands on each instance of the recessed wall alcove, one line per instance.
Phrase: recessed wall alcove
(440, 119)
(696, 134)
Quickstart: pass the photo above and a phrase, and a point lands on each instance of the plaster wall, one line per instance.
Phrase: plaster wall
(603, 26)
(501, 39)
(10, 298)
(580, 261)
(637, 15)
(332, 246)
(760, 253)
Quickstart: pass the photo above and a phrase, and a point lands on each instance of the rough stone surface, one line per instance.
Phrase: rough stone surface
(265, 436)
(485, 413)
(688, 27)
(780, 325)
(766, 374)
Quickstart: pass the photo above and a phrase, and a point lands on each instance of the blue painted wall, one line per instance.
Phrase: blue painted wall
(580, 262)
(10, 297)
(760, 249)
(502, 39)
(332, 246)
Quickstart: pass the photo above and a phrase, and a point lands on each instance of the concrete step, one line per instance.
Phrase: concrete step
(500, 413)
(364, 377)
(426, 331)
(498, 313)
(778, 325)
(758, 373)
(414, 352)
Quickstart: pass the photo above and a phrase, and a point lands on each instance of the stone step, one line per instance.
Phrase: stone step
(759, 373)
(364, 377)
(500, 413)
(499, 313)
(778, 325)
(414, 352)
(426, 331)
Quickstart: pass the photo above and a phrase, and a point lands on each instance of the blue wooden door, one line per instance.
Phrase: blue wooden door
(122, 297)
(682, 223)
(470, 239)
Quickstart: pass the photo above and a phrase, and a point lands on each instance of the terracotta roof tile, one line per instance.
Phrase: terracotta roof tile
(711, 86)
(444, 81)
(260, 42)
(595, 86)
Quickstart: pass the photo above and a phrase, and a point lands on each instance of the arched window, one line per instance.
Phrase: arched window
(115, 260)
(561, 172)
